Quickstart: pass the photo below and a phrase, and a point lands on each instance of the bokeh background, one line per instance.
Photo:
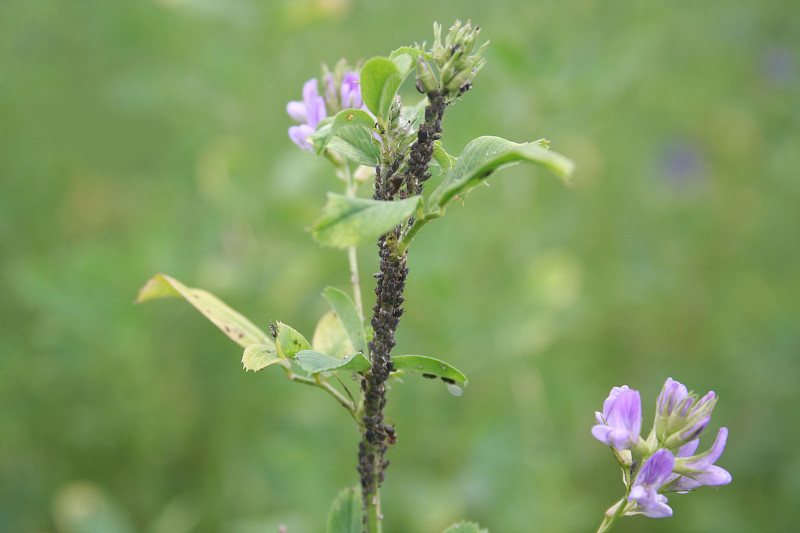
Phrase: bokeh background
(150, 136)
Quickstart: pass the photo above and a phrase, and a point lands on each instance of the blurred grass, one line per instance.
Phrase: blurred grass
(138, 137)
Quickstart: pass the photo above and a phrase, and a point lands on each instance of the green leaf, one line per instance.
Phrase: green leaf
(405, 58)
(445, 160)
(414, 115)
(289, 341)
(484, 155)
(357, 145)
(432, 368)
(466, 527)
(348, 314)
(238, 328)
(315, 362)
(345, 513)
(352, 221)
(428, 365)
(330, 337)
(347, 119)
(258, 356)
(380, 79)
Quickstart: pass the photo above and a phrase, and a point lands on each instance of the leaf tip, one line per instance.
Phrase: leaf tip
(155, 287)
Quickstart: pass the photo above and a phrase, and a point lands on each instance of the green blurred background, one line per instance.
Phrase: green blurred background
(150, 136)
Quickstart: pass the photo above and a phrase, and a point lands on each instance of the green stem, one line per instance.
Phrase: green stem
(374, 513)
(408, 236)
(327, 387)
(355, 281)
(350, 192)
(609, 521)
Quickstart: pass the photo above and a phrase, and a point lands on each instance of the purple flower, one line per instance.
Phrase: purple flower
(351, 92)
(342, 91)
(694, 471)
(621, 420)
(310, 111)
(680, 416)
(644, 492)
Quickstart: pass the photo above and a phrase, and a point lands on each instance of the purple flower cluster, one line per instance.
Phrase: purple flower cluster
(314, 108)
(668, 460)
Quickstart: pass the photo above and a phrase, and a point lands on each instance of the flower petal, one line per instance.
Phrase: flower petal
(656, 469)
(612, 398)
(310, 91)
(299, 134)
(621, 422)
(351, 91)
(297, 110)
(316, 111)
(659, 509)
(688, 449)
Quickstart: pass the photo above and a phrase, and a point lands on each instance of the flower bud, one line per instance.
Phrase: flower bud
(426, 77)
(457, 60)
(680, 415)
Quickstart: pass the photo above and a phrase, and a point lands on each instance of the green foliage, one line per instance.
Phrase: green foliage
(351, 221)
(331, 338)
(405, 58)
(345, 513)
(355, 144)
(258, 356)
(289, 341)
(380, 79)
(442, 158)
(429, 366)
(485, 155)
(353, 129)
(238, 328)
(346, 310)
(315, 362)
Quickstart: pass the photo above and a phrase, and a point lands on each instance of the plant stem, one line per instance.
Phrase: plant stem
(352, 257)
(609, 521)
(327, 387)
(408, 236)
(354, 280)
(619, 509)
(388, 307)
(386, 317)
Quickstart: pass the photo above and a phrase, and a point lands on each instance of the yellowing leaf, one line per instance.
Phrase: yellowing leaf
(237, 327)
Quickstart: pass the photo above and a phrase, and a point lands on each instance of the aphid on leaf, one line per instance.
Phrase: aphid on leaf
(429, 376)
(273, 331)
